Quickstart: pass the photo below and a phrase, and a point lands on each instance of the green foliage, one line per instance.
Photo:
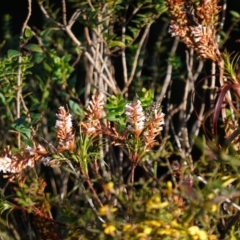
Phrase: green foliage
(146, 97)
(75, 108)
(22, 126)
(10, 71)
(9, 67)
(230, 66)
(235, 14)
(58, 68)
(115, 111)
(77, 176)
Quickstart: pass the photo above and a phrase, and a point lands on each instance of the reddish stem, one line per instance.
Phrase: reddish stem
(132, 173)
(99, 177)
(91, 187)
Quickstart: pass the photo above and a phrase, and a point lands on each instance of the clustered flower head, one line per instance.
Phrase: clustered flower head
(15, 163)
(64, 130)
(154, 127)
(195, 23)
(93, 114)
(149, 124)
(142, 126)
(136, 117)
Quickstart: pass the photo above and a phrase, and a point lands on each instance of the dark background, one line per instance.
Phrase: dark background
(17, 9)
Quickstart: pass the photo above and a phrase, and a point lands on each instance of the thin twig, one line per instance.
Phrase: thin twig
(100, 179)
(90, 4)
(87, 36)
(64, 10)
(213, 83)
(93, 190)
(18, 99)
(133, 13)
(19, 74)
(90, 201)
(110, 83)
(185, 114)
(45, 13)
(28, 17)
(141, 60)
(72, 36)
(223, 18)
(38, 38)
(222, 21)
(169, 71)
(76, 60)
(104, 65)
(133, 167)
(136, 57)
(124, 60)
(74, 17)
(112, 87)
(155, 56)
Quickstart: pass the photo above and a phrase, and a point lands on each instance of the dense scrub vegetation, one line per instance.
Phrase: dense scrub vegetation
(119, 120)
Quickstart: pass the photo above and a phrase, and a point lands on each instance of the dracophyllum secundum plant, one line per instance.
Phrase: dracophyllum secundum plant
(142, 129)
(139, 127)
(79, 146)
(136, 121)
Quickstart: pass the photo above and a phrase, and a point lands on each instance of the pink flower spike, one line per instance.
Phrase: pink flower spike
(136, 117)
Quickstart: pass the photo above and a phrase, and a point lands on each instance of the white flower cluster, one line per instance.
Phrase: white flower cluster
(159, 119)
(5, 164)
(64, 129)
(135, 116)
(64, 120)
(199, 32)
(15, 163)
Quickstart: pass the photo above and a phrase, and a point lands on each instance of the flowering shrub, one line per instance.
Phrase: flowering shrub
(117, 160)
(154, 212)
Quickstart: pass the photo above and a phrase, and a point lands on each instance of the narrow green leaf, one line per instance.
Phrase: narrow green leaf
(35, 117)
(235, 14)
(2, 98)
(233, 237)
(116, 44)
(113, 118)
(19, 121)
(28, 33)
(33, 47)
(15, 150)
(35, 106)
(228, 180)
(13, 53)
(75, 107)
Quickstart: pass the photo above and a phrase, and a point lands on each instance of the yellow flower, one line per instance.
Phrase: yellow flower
(167, 232)
(109, 187)
(155, 203)
(193, 230)
(106, 210)
(109, 229)
(197, 234)
(127, 227)
(202, 235)
(212, 237)
(211, 196)
(214, 208)
(169, 188)
(153, 223)
(147, 230)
